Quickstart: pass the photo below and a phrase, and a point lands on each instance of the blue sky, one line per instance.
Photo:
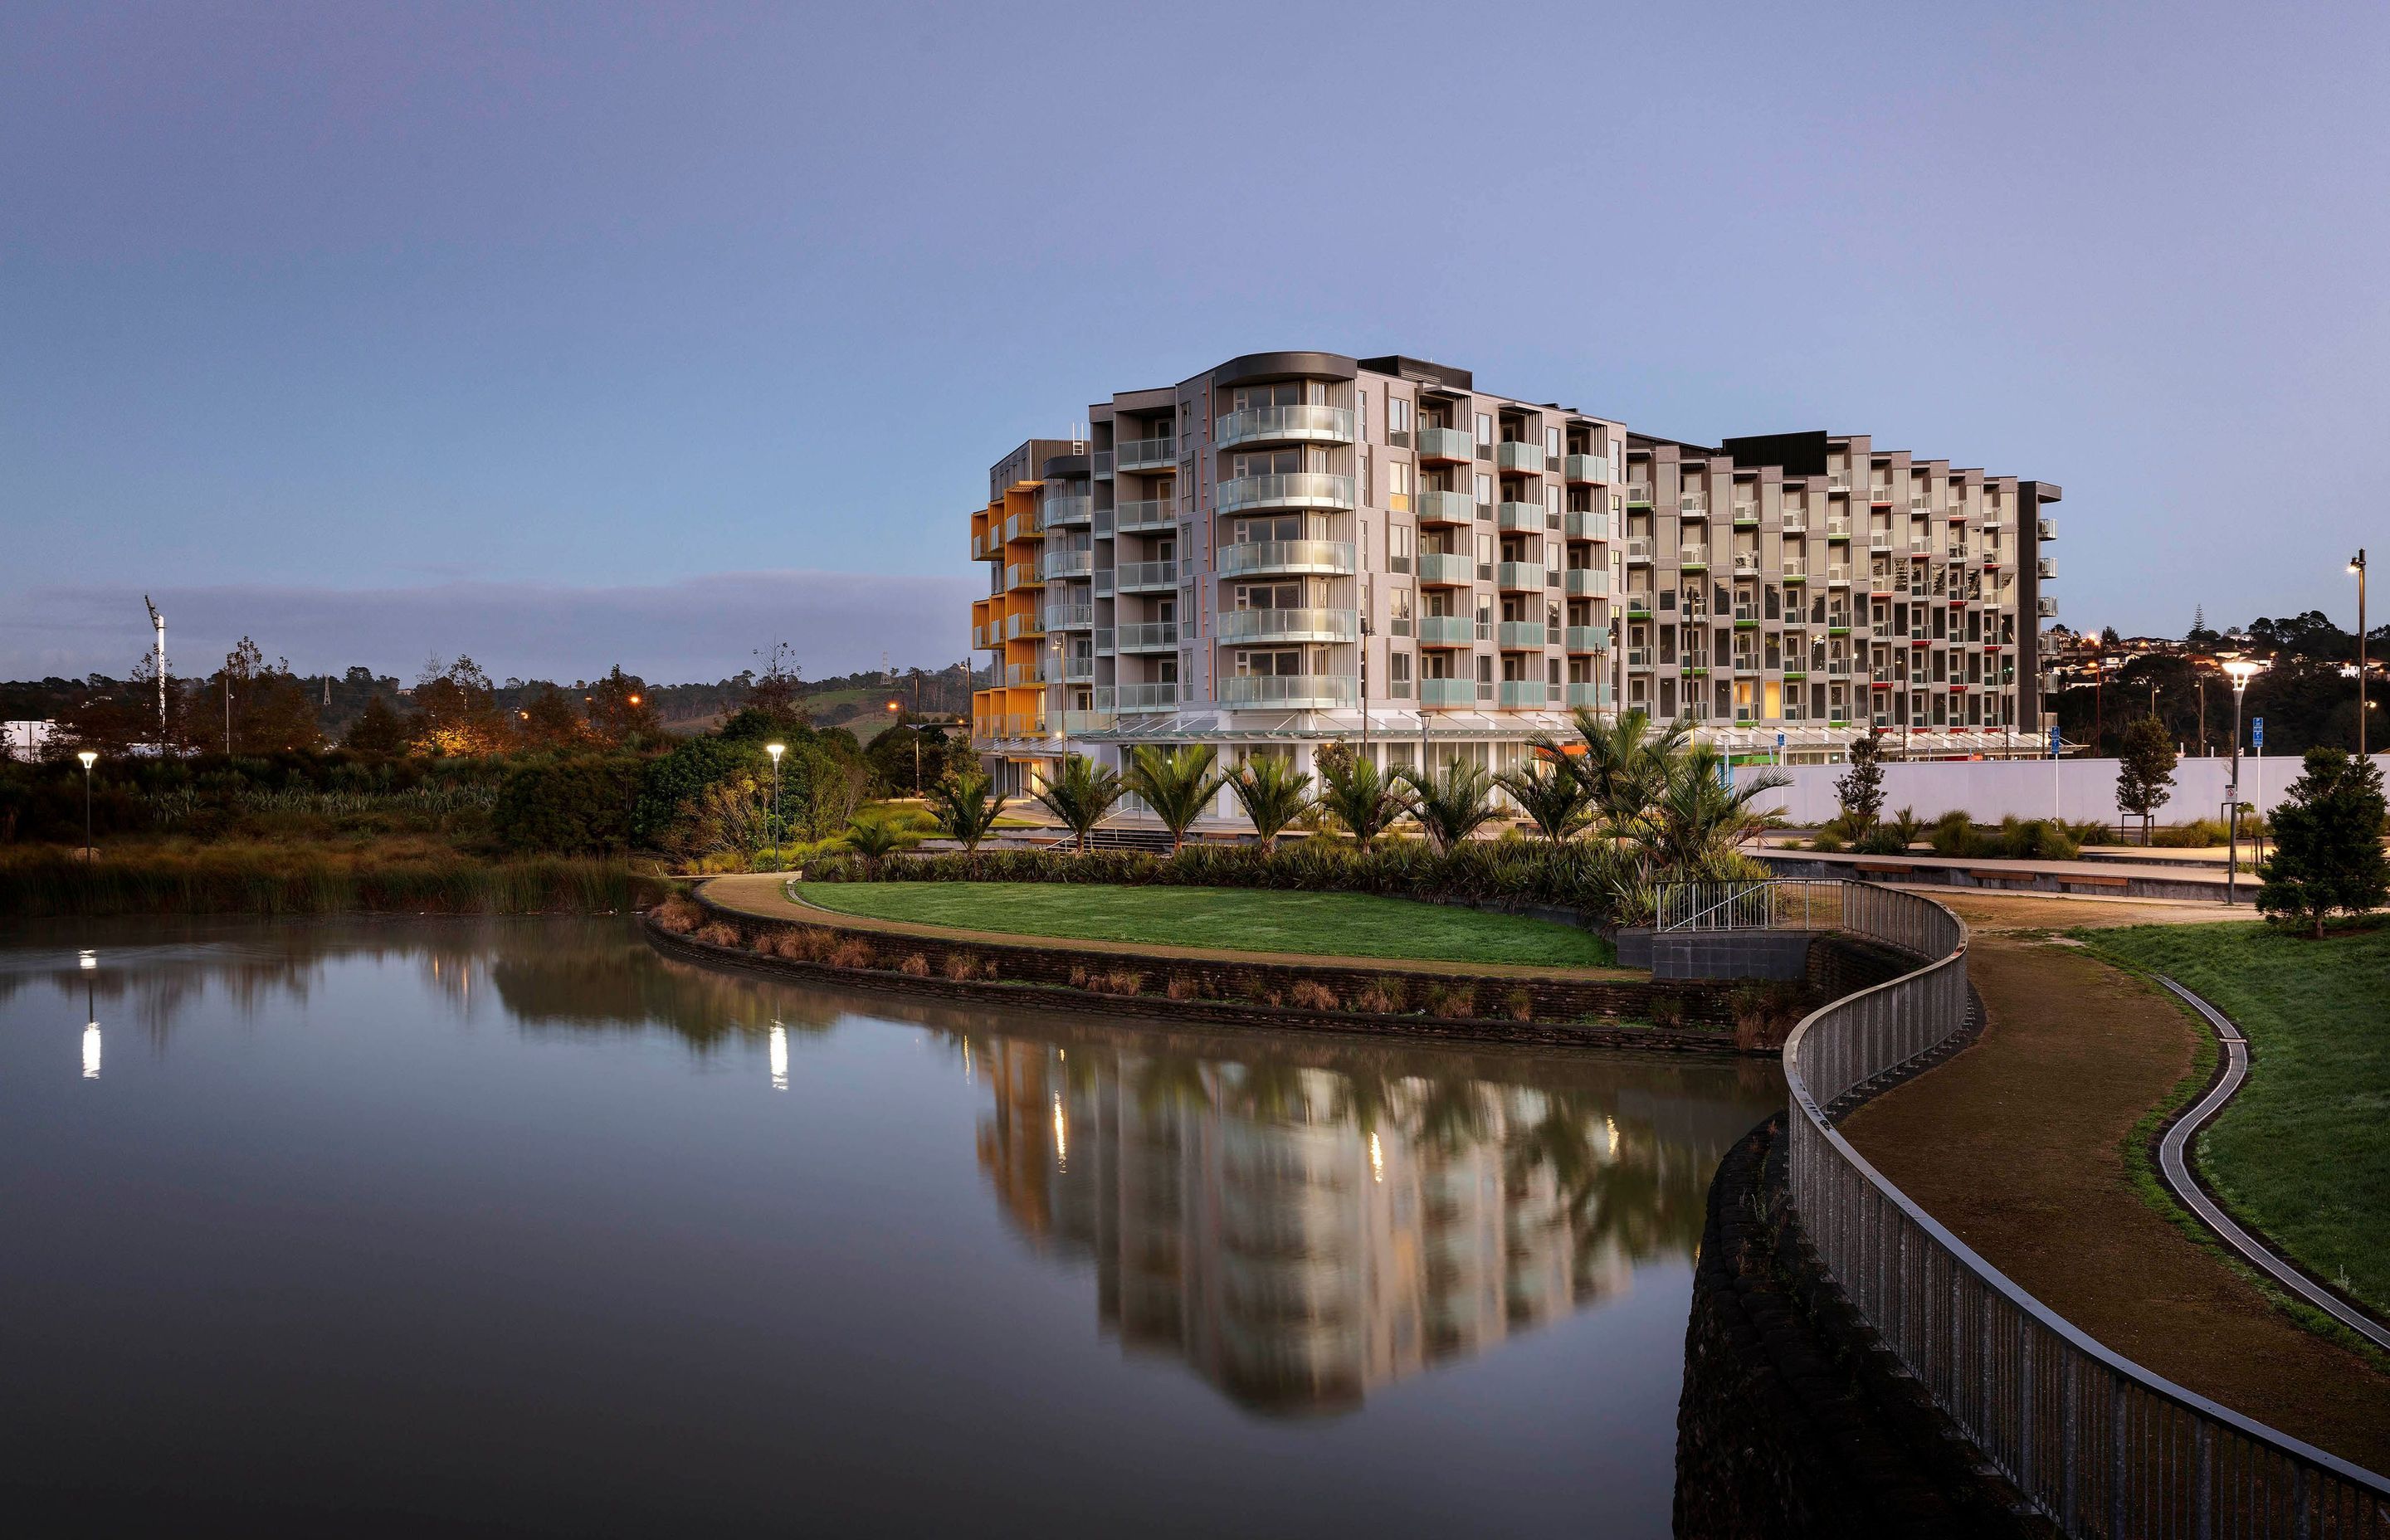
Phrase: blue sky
(573, 335)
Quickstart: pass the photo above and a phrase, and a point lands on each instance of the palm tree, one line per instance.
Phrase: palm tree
(1550, 793)
(1273, 795)
(1357, 796)
(966, 806)
(875, 840)
(1625, 764)
(1454, 805)
(1177, 786)
(1082, 796)
(1696, 820)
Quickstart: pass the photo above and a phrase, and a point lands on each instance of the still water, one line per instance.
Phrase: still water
(397, 1226)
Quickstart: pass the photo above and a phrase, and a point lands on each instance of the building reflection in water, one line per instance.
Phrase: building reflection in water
(780, 1057)
(1303, 1232)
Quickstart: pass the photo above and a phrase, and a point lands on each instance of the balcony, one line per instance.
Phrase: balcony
(1746, 513)
(1524, 695)
(1879, 495)
(1445, 508)
(1445, 631)
(1023, 574)
(979, 547)
(1638, 604)
(1837, 574)
(1068, 563)
(1638, 549)
(1518, 455)
(1160, 453)
(1447, 692)
(1030, 624)
(1585, 524)
(1285, 425)
(1519, 576)
(1238, 626)
(1587, 582)
(1146, 577)
(1838, 528)
(1524, 516)
(1146, 637)
(1261, 557)
(2045, 529)
(1638, 657)
(1692, 508)
(1302, 488)
(987, 635)
(1796, 521)
(1078, 668)
(1586, 693)
(1156, 697)
(1147, 515)
(1522, 635)
(1443, 569)
(1026, 674)
(1693, 556)
(1587, 468)
(1587, 638)
(1880, 541)
(1746, 563)
(2047, 566)
(1638, 495)
(1290, 691)
(1077, 723)
(1795, 570)
(1060, 512)
(1445, 443)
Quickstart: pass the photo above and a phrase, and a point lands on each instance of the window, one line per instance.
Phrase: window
(1284, 526)
(1398, 612)
(1265, 662)
(1399, 486)
(1267, 596)
(1551, 444)
(1398, 670)
(1268, 462)
(1485, 428)
(1484, 490)
(1398, 548)
(1398, 415)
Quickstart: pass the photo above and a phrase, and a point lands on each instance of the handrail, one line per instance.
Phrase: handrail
(2097, 1443)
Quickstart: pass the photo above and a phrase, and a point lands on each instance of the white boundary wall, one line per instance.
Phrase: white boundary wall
(2079, 790)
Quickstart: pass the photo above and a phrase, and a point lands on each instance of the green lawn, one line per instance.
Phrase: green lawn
(2304, 1151)
(1238, 918)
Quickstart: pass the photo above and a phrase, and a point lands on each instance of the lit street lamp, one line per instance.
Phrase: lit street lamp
(2364, 703)
(89, 759)
(2239, 669)
(775, 751)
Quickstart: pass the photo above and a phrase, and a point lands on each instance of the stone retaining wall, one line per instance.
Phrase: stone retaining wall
(1543, 1012)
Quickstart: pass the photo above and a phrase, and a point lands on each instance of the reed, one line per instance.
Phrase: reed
(281, 880)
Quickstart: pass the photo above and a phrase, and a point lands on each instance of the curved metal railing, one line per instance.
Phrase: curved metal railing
(2099, 1443)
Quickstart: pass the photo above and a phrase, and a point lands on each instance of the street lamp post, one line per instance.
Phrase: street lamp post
(2357, 566)
(775, 751)
(89, 759)
(1062, 706)
(2239, 669)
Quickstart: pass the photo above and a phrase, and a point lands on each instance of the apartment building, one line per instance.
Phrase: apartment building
(1298, 548)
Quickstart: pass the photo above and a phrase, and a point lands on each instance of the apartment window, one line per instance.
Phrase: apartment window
(1266, 663)
(1484, 490)
(1485, 558)
(1276, 462)
(1551, 444)
(1485, 428)
(1284, 526)
(1552, 673)
(1290, 392)
(1398, 676)
(1364, 415)
(1399, 486)
(1552, 504)
(1398, 612)
(1398, 548)
(1267, 596)
(1398, 415)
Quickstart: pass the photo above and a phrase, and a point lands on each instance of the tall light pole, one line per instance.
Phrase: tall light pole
(2239, 669)
(775, 751)
(2357, 565)
(89, 759)
(897, 720)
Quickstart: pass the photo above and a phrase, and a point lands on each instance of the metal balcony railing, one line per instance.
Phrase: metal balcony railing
(1236, 626)
(1302, 488)
(1296, 424)
(1327, 558)
(1587, 468)
(1290, 691)
(1146, 453)
(1135, 576)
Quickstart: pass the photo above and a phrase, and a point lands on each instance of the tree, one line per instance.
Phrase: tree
(2327, 843)
(966, 807)
(2145, 770)
(550, 722)
(1862, 790)
(456, 709)
(1177, 786)
(875, 840)
(1357, 796)
(1273, 795)
(378, 733)
(1452, 806)
(1695, 826)
(778, 690)
(893, 754)
(619, 711)
(579, 806)
(1550, 793)
(1082, 796)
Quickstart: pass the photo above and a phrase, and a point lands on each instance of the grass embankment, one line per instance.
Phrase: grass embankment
(1241, 920)
(2302, 1153)
(411, 877)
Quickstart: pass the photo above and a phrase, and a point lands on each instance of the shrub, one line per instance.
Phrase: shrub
(849, 952)
(1120, 981)
(579, 806)
(1451, 1002)
(1882, 839)
(1952, 834)
(1827, 841)
(1380, 997)
(1668, 1010)
(677, 916)
(959, 967)
(1181, 987)
(1310, 994)
(1519, 1005)
(718, 934)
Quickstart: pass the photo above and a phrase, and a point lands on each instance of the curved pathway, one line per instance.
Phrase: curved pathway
(2017, 1145)
(2173, 1166)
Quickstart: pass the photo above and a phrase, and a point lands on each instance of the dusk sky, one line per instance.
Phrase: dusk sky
(572, 335)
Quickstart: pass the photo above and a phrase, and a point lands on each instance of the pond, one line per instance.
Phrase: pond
(382, 1226)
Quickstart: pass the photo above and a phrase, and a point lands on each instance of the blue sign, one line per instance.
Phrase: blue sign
(2257, 731)
(2053, 741)
(1779, 743)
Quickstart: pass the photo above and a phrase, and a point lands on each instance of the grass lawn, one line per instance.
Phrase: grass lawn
(1236, 918)
(2304, 1151)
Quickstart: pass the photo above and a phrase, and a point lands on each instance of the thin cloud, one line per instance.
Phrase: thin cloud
(696, 628)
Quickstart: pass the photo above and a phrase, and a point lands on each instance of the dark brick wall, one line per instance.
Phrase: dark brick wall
(1793, 1420)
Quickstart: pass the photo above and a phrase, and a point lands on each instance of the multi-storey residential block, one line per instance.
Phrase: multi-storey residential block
(1295, 547)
